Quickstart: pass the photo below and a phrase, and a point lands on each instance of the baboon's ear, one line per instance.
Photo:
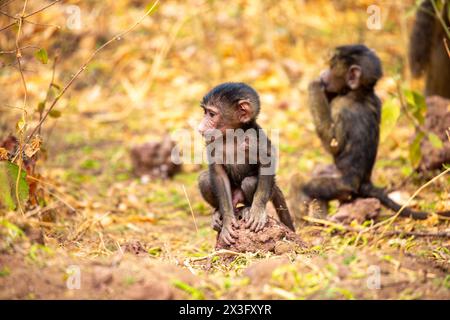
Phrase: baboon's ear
(245, 111)
(354, 77)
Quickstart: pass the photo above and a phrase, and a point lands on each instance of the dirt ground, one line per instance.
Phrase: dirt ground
(329, 268)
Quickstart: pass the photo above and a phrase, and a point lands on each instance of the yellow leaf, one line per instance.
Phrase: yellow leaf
(33, 147)
(3, 154)
(21, 125)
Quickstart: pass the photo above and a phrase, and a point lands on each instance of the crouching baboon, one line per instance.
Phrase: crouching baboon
(233, 108)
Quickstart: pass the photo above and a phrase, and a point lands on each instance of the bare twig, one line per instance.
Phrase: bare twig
(341, 227)
(8, 26)
(50, 85)
(6, 3)
(71, 208)
(190, 207)
(440, 18)
(22, 18)
(11, 107)
(54, 193)
(83, 67)
(446, 47)
(40, 10)
(22, 130)
(42, 24)
(21, 49)
(392, 219)
(7, 15)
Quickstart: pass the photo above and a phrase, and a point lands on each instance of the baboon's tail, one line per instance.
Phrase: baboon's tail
(279, 202)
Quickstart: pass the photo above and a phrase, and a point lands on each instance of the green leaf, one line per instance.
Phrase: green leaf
(90, 164)
(149, 6)
(41, 55)
(14, 231)
(420, 100)
(55, 113)
(389, 116)
(195, 293)
(416, 104)
(155, 251)
(41, 106)
(8, 177)
(435, 141)
(5, 271)
(415, 154)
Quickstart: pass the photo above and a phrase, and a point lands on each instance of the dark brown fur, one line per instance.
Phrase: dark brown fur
(236, 106)
(346, 113)
(427, 52)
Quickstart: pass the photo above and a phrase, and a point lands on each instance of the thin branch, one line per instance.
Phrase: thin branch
(23, 17)
(190, 207)
(21, 49)
(11, 107)
(446, 47)
(47, 96)
(24, 112)
(83, 67)
(7, 15)
(42, 24)
(392, 219)
(6, 3)
(41, 9)
(8, 26)
(441, 20)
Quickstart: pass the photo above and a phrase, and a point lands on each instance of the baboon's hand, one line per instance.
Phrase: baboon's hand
(216, 222)
(227, 234)
(255, 218)
(316, 86)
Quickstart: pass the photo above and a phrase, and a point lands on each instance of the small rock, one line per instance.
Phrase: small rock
(359, 210)
(275, 237)
(153, 159)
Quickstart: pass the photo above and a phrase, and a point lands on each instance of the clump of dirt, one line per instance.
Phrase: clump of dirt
(359, 210)
(153, 159)
(275, 238)
(437, 121)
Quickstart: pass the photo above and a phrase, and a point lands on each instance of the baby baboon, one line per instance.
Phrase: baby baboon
(233, 107)
(346, 113)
